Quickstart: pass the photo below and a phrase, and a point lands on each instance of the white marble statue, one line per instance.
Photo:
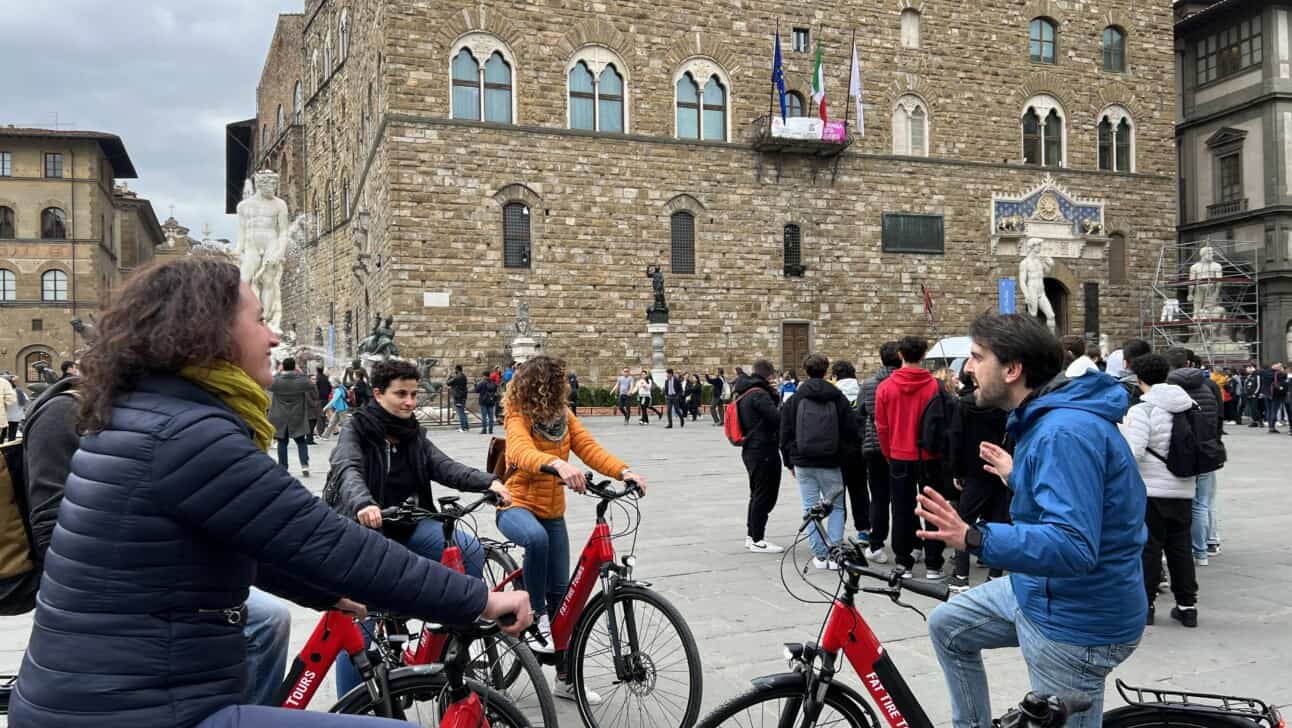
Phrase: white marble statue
(1205, 275)
(263, 229)
(1031, 280)
(1170, 310)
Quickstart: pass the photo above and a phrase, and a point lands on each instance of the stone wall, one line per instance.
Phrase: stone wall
(434, 187)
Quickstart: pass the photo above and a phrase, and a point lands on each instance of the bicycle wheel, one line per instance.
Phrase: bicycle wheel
(665, 684)
(1150, 716)
(498, 566)
(422, 698)
(507, 665)
(779, 705)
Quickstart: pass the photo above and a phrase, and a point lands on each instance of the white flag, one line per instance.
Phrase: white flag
(854, 88)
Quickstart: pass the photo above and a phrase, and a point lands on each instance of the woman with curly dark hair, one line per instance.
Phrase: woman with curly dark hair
(173, 509)
(541, 434)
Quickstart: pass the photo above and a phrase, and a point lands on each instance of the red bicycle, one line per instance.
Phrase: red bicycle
(810, 696)
(628, 645)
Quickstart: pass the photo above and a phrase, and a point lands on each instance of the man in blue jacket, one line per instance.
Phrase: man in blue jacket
(1074, 602)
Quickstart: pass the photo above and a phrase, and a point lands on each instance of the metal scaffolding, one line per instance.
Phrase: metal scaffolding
(1218, 317)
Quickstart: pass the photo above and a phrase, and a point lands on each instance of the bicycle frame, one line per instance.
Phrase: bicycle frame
(846, 631)
(336, 631)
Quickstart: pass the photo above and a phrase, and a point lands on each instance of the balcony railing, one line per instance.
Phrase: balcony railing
(1220, 209)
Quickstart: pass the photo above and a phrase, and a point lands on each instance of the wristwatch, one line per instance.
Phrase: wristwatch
(973, 540)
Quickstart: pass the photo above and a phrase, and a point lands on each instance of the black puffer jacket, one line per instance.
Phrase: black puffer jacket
(1198, 385)
(170, 510)
(760, 418)
(866, 411)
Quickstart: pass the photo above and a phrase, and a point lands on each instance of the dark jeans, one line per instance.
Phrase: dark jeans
(717, 409)
(1170, 524)
(302, 451)
(625, 408)
(678, 405)
(853, 468)
(11, 432)
(880, 498)
(1272, 413)
(314, 427)
(907, 476)
(983, 498)
(255, 716)
(1256, 410)
(764, 468)
(461, 406)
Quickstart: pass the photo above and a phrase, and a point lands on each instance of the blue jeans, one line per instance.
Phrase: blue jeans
(988, 617)
(823, 485)
(1204, 515)
(301, 450)
(486, 418)
(255, 716)
(461, 406)
(268, 628)
(547, 556)
(427, 540)
(1272, 412)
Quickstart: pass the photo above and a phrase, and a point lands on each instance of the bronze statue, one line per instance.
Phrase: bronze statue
(381, 342)
(658, 312)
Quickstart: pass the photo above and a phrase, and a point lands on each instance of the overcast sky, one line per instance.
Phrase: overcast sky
(164, 75)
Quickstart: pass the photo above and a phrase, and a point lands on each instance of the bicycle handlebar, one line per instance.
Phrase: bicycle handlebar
(602, 489)
(852, 558)
(411, 514)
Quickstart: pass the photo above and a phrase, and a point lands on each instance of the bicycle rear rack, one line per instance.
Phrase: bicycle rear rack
(1249, 708)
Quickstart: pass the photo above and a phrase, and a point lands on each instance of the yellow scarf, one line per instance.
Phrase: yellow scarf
(238, 390)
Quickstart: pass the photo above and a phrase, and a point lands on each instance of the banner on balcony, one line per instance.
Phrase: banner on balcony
(797, 127)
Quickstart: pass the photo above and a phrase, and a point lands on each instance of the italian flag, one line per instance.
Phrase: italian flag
(818, 83)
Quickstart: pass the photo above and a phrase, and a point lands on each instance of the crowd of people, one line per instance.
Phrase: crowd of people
(1074, 478)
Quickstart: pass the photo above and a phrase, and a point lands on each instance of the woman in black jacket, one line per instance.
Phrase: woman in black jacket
(694, 390)
(173, 509)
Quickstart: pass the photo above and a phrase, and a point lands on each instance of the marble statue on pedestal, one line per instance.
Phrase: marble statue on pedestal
(263, 226)
(1205, 276)
(523, 346)
(1031, 280)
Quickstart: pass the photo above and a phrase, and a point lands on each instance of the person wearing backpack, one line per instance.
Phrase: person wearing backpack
(876, 464)
(854, 462)
(1149, 429)
(758, 418)
(817, 423)
(487, 394)
(1195, 382)
(900, 404)
(340, 406)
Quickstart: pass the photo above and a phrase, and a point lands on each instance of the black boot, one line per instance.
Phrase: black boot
(1188, 616)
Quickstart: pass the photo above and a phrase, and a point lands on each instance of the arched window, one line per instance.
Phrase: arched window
(8, 285)
(31, 360)
(715, 110)
(1116, 140)
(497, 89)
(298, 105)
(910, 28)
(466, 86)
(515, 235)
(793, 250)
(6, 223)
(280, 121)
(683, 242)
(1044, 133)
(1114, 49)
(345, 35)
(583, 98)
(688, 108)
(53, 286)
(610, 101)
(793, 104)
(53, 224)
(1041, 37)
(910, 127)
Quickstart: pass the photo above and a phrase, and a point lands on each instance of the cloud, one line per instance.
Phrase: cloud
(164, 75)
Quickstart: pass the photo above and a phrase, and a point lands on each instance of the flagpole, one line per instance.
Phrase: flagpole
(848, 98)
(772, 87)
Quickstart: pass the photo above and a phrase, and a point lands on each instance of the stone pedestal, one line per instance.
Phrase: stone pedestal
(657, 331)
(523, 348)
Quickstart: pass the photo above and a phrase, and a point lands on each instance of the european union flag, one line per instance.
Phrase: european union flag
(778, 76)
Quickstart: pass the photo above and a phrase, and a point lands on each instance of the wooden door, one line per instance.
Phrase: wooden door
(795, 346)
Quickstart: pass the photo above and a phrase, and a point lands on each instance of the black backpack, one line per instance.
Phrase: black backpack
(935, 423)
(1190, 455)
(489, 397)
(816, 428)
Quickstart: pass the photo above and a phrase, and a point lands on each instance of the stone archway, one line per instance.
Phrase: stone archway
(1061, 301)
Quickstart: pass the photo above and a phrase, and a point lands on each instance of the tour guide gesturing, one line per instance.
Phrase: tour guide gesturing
(1074, 602)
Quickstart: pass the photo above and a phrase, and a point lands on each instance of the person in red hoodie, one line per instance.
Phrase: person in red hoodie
(899, 404)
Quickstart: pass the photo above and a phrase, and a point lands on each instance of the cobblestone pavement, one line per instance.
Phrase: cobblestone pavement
(691, 546)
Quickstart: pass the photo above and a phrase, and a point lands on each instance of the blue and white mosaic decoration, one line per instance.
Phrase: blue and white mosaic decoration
(1047, 202)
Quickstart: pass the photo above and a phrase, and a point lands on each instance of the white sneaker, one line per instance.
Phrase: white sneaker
(934, 575)
(545, 629)
(565, 691)
(877, 556)
(1202, 561)
(749, 541)
(763, 547)
(824, 564)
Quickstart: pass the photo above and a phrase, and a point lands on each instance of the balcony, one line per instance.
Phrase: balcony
(1230, 207)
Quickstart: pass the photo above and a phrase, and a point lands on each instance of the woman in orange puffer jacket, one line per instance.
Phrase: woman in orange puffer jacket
(541, 434)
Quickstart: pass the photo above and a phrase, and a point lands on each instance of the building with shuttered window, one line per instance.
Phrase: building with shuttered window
(461, 159)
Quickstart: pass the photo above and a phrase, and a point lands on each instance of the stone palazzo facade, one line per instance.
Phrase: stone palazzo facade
(461, 159)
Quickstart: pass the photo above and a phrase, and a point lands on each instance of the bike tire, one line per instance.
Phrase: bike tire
(427, 692)
(521, 679)
(1169, 716)
(601, 679)
(498, 565)
(769, 704)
